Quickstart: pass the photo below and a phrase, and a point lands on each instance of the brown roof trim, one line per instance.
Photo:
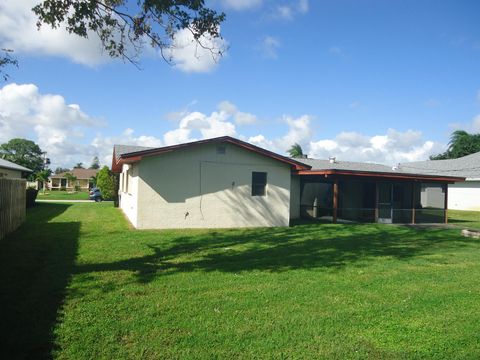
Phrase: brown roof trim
(449, 179)
(138, 155)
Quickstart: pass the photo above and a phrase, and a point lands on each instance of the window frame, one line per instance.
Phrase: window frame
(256, 183)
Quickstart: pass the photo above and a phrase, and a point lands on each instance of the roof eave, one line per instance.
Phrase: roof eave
(136, 156)
(327, 172)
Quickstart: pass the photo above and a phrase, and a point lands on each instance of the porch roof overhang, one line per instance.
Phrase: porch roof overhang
(379, 175)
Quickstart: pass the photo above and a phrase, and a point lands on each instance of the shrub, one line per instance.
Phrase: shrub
(77, 188)
(31, 196)
(106, 183)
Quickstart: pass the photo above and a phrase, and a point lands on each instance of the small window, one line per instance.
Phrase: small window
(221, 150)
(259, 183)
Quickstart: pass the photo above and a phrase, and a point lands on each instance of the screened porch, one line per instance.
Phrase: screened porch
(370, 199)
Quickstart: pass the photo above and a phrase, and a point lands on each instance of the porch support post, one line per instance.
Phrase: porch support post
(445, 206)
(376, 201)
(413, 202)
(335, 201)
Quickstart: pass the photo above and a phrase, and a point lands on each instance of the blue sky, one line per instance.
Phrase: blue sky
(381, 81)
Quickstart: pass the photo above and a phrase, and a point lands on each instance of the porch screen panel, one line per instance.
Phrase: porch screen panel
(356, 201)
(402, 202)
(316, 200)
(430, 202)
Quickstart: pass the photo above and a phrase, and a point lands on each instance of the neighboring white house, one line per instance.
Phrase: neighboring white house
(461, 195)
(11, 170)
(225, 182)
(217, 183)
(83, 179)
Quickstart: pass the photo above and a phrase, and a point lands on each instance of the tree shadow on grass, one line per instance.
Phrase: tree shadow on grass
(36, 263)
(280, 249)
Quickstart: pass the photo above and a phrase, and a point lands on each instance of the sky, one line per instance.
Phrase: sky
(362, 80)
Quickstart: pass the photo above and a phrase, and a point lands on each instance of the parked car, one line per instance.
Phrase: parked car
(95, 194)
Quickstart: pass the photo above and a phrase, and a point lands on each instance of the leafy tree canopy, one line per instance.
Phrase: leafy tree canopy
(106, 183)
(60, 170)
(79, 166)
(23, 152)
(295, 151)
(461, 144)
(124, 26)
(95, 163)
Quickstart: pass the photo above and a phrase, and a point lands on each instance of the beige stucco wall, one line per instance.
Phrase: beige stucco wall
(10, 173)
(197, 188)
(464, 196)
(128, 198)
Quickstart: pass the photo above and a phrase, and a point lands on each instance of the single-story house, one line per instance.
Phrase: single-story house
(84, 180)
(11, 170)
(226, 182)
(462, 195)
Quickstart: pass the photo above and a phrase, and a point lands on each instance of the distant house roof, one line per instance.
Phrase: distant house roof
(326, 167)
(10, 165)
(78, 173)
(123, 154)
(466, 166)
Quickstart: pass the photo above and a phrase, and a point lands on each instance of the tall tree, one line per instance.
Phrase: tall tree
(43, 177)
(124, 26)
(461, 144)
(79, 166)
(23, 152)
(106, 183)
(60, 170)
(95, 163)
(295, 151)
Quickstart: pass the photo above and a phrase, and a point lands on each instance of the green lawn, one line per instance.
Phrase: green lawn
(464, 219)
(78, 283)
(62, 195)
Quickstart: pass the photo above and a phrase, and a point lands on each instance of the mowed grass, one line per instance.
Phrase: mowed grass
(62, 195)
(464, 219)
(77, 283)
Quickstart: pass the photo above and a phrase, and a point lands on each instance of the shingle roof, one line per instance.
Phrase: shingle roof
(119, 150)
(123, 152)
(10, 165)
(78, 173)
(466, 166)
(350, 166)
(318, 164)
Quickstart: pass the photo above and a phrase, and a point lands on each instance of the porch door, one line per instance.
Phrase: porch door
(63, 182)
(385, 203)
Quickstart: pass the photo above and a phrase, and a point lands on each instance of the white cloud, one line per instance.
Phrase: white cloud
(299, 131)
(189, 56)
(289, 10)
(303, 6)
(63, 129)
(56, 126)
(476, 124)
(390, 148)
(241, 118)
(197, 125)
(18, 31)
(103, 146)
(269, 46)
(241, 4)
